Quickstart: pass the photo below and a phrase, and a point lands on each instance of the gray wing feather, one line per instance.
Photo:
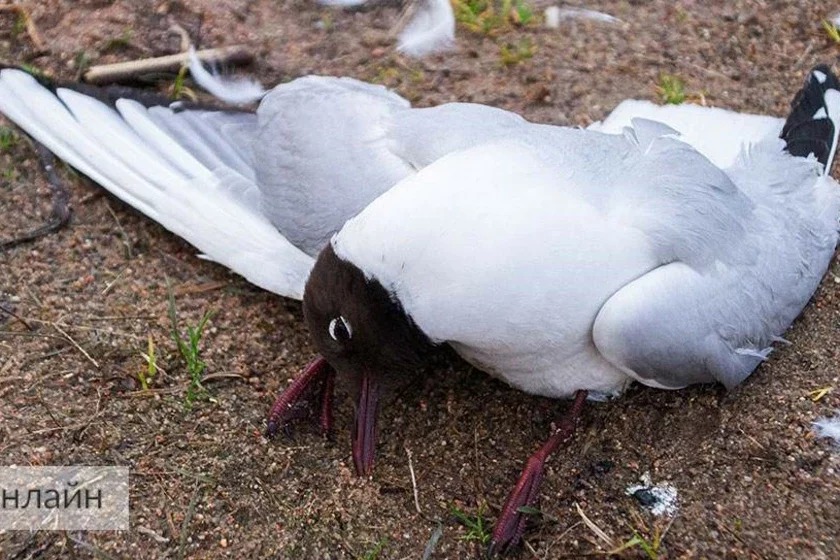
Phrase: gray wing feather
(322, 154)
(705, 321)
(327, 147)
(216, 139)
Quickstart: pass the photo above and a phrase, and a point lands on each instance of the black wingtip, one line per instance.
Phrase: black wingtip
(810, 128)
(109, 94)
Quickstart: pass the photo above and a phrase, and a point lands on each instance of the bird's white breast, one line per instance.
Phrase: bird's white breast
(494, 252)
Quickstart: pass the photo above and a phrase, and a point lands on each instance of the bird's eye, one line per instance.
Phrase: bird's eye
(340, 329)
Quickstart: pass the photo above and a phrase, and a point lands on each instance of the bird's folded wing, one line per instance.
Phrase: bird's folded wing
(327, 147)
(718, 134)
(322, 154)
(176, 169)
(677, 325)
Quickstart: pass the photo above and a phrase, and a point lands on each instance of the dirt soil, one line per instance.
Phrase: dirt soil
(753, 481)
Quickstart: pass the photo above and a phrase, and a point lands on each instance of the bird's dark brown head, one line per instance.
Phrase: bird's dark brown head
(365, 334)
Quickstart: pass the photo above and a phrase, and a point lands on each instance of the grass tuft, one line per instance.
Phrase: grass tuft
(19, 26)
(81, 63)
(119, 43)
(478, 529)
(651, 549)
(188, 347)
(32, 70)
(373, 553)
(489, 17)
(147, 375)
(671, 89)
(511, 54)
(179, 90)
(9, 175)
(8, 138)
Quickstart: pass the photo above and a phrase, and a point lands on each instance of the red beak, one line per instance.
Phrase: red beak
(364, 429)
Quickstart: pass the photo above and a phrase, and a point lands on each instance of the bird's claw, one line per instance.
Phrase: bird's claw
(315, 383)
(511, 523)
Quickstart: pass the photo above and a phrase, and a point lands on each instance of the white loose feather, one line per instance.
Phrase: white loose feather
(431, 30)
(555, 14)
(828, 428)
(236, 91)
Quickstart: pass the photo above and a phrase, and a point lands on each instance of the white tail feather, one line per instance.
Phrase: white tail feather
(236, 91)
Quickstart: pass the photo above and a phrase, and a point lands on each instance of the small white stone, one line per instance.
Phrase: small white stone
(552, 17)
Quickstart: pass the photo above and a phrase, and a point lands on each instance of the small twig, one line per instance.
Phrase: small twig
(594, 528)
(558, 538)
(406, 15)
(61, 197)
(709, 71)
(734, 535)
(529, 547)
(76, 344)
(668, 527)
(413, 481)
(127, 71)
(58, 424)
(16, 316)
(186, 42)
(30, 335)
(125, 239)
(83, 428)
(113, 282)
(212, 376)
(433, 541)
(97, 552)
(752, 439)
(199, 289)
(86, 328)
(804, 54)
(182, 542)
(46, 356)
(148, 393)
(160, 539)
(31, 30)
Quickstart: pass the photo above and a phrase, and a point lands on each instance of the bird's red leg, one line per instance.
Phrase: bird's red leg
(327, 392)
(296, 401)
(511, 523)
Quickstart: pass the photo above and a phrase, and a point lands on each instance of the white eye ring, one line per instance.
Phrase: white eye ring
(344, 323)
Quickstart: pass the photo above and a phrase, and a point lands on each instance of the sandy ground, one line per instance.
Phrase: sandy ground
(752, 480)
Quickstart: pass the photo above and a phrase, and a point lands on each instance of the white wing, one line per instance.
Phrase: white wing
(199, 192)
(259, 193)
(718, 134)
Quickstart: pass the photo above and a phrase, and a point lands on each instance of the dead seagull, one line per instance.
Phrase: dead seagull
(668, 246)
